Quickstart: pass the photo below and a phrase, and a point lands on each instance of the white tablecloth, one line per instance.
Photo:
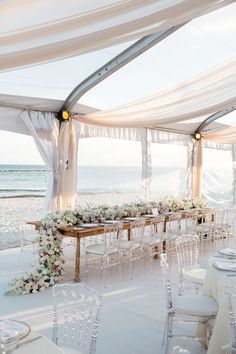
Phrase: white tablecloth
(214, 286)
(42, 345)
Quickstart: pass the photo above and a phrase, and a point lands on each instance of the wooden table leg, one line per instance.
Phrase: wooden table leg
(129, 234)
(77, 260)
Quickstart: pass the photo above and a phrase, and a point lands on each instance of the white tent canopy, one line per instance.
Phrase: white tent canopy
(37, 32)
(11, 107)
(184, 79)
(206, 94)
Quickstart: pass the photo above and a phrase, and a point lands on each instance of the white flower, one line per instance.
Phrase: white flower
(50, 239)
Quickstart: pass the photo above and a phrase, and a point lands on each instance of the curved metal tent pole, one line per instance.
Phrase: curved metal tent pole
(113, 65)
(213, 118)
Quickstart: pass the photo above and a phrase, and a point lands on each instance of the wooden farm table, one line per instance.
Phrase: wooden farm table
(79, 232)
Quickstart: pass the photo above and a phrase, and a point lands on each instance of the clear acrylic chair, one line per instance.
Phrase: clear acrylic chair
(227, 225)
(153, 238)
(204, 228)
(230, 224)
(106, 252)
(190, 222)
(219, 228)
(186, 309)
(76, 318)
(172, 231)
(29, 241)
(230, 294)
(132, 249)
(187, 251)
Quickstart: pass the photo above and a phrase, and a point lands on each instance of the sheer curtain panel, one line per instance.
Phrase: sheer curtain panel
(197, 168)
(44, 128)
(68, 147)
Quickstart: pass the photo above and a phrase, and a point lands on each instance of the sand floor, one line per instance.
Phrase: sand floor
(14, 212)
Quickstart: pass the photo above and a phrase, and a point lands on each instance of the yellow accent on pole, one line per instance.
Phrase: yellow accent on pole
(65, 115)
(198, 136)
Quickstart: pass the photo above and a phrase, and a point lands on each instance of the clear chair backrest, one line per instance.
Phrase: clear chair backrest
(230, 293)
(187, 252)
(189, 219)
(28, 231)
(230, 218)
(137, 230)
(195, 217)
(173, 224)
(112, 236)
(76, 317)
(157, 227)
(208, 215)
(160, 224)
(219, 216)
(166, 279)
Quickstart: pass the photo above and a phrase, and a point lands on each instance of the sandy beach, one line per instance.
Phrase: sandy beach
(14, 212)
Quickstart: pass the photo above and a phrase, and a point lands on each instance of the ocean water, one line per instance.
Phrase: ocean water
(23, 180)
(31, 180)
(97, 184)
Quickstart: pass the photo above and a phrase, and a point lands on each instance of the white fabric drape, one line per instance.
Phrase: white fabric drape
(92, 131)
(146, 164)
(34, 32)
(203, 95)
(44, 129)
(213, 145)
(156, 136)
(197, 168)
(68, 147)
(233, 151)
(165, 137)
(190, 166)
(146, 137)
(58, 149)
(225, 136)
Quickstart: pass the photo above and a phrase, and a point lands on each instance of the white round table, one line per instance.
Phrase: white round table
(39, 346)
(214, 285)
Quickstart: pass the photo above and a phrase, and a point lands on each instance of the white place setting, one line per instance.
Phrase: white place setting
(221, 272)
(17, 337)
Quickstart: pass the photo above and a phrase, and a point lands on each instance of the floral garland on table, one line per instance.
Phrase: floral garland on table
(50, 269)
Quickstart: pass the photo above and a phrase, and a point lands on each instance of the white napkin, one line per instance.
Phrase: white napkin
(224, 265)
(228, 251)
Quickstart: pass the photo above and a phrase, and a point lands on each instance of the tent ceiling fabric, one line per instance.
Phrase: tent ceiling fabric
(12, 106)
(225, 136)
(35, 32)
(204, 95)
(40, 104)
(190, 128)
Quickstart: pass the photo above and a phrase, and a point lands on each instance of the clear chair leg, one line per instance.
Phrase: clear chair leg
(130, 265)
(151, 256)
(169, 333)
(86, 268)
(165, 331)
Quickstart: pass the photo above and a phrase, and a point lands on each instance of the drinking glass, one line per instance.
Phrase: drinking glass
(9, 340)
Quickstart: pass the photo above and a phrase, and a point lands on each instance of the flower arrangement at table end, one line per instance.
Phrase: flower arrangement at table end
(50, 269)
